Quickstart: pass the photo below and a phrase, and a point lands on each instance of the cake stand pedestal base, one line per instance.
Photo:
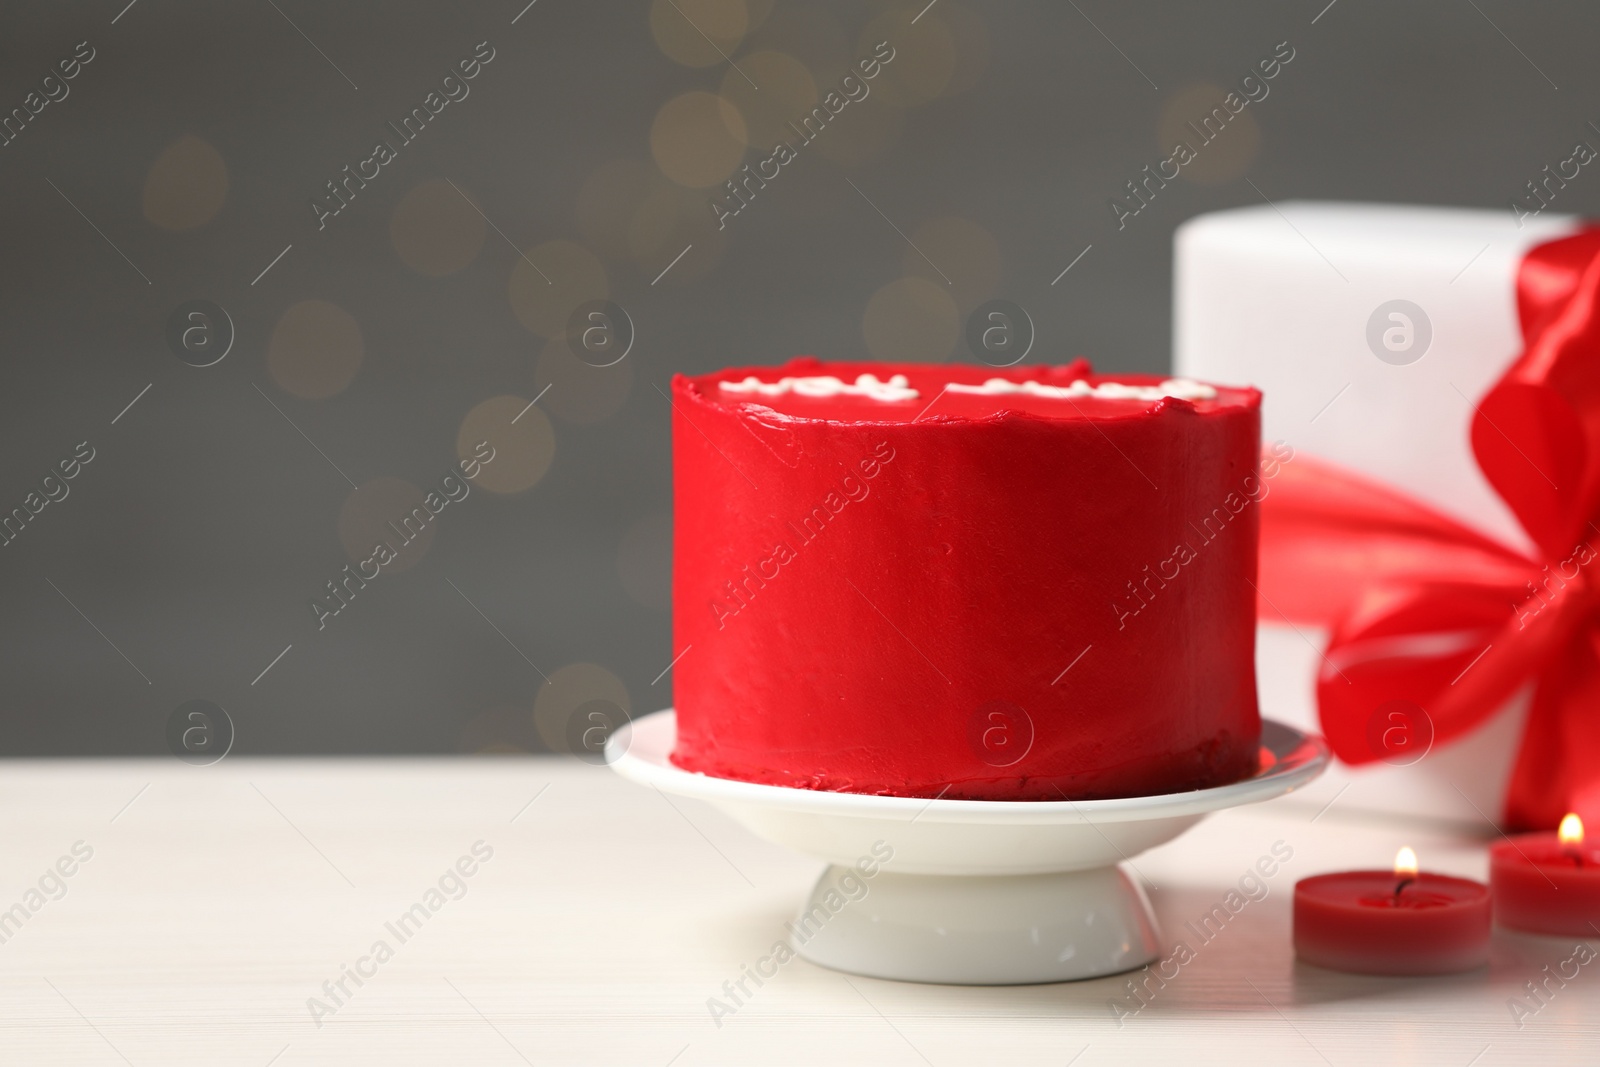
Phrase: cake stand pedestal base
(970, 892)
(976, 930)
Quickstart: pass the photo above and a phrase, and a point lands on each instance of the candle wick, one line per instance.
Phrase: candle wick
(1403, 883)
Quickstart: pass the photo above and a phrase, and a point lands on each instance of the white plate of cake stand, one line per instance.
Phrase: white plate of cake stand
(976, 892)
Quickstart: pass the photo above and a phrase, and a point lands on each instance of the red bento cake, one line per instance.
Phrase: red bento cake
(943, 580)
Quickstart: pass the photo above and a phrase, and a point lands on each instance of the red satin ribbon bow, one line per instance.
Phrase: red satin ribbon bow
(1425, 610)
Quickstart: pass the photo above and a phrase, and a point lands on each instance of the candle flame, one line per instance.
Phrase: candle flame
(1405, 863)
(1571, 831)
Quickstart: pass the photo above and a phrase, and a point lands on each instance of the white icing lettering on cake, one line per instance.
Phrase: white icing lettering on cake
(867, 385)
(898, 387)
(1178, 388)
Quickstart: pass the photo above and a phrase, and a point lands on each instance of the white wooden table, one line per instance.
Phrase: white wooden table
(218, 901)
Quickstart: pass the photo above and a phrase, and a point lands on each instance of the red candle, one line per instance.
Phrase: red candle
(1547, 883)
(1400, 922)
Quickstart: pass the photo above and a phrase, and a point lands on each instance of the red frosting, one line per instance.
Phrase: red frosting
(970, 596)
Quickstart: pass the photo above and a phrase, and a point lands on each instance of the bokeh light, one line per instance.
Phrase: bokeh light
(548, 281)
(698, 33)
(1229, 152)
(315, 350)
(911, 320)
(698, 139)
(669, 220)
(653, 221)
(924, 56)
(756, 14)
(628, 210)
(186, 185)
(787, 92)
(807, 32)
(965, 251)
(567, 689)
(365, 520)
(522, 439)
(435, 231)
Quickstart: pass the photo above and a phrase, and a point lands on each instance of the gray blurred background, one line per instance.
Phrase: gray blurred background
(184, 160)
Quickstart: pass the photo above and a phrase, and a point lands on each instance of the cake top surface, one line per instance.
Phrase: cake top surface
(808, 388)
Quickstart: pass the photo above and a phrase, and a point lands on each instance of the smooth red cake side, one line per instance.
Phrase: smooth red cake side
(1013, 591)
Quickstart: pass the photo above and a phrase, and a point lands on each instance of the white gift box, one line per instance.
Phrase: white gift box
(1372, 330)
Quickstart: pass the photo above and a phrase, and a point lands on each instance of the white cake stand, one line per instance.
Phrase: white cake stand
(968, 892)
